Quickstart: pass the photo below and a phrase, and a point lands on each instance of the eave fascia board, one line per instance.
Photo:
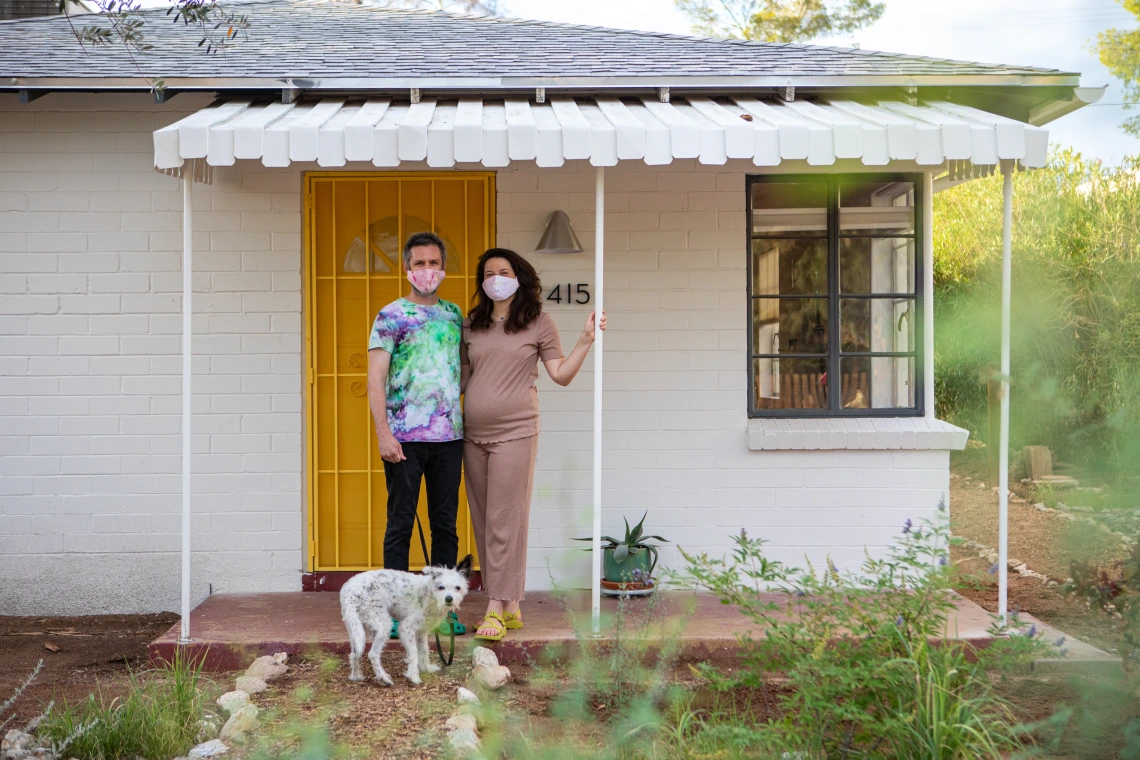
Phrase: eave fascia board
(1051, 110)
(551, 83)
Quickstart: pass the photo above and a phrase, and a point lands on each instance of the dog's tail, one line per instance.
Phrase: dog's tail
(353, 624)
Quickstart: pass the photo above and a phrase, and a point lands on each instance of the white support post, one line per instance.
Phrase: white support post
(187, 272)
(1003, 439)
(928, 294)
(599, 270)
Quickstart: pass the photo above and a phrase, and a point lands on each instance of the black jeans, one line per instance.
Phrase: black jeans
(440, 465)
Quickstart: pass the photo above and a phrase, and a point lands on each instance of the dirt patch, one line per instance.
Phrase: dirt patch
(81, 655)
(1070, 615)
(408, 721)
(1045, 541)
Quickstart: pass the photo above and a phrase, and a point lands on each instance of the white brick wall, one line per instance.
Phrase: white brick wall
(90, 373)
(90, 240)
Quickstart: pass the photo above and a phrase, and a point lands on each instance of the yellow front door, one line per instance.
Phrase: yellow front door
(355, 225)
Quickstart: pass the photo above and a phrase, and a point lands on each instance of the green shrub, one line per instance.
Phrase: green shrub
(855, 649)
(157, 719)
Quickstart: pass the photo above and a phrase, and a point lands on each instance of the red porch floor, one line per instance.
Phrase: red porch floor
(230, 630)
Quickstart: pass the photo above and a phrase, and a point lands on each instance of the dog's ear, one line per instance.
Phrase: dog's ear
(431, 571)
(464, 566)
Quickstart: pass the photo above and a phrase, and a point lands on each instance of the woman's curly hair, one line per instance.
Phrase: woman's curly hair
(527, 304)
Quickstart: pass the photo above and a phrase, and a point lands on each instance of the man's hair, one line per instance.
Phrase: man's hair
(424, 238)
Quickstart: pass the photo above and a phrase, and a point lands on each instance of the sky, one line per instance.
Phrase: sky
(1048, 33)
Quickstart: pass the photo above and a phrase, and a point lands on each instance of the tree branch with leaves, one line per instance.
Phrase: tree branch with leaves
(1119, 51)
(780, 20)
(126, 26)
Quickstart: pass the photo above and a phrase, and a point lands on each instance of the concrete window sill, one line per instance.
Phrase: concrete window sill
(867, 434)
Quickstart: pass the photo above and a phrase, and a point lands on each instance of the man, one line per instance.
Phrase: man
(413, 391)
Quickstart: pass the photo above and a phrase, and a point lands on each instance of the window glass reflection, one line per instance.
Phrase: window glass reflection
(876, 265)
(789, 325)
(876, 324)
(790, 383)
(789, 266)
(872, 208)
(789, 209)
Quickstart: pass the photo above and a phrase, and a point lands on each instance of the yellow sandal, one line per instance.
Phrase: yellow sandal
(513, 620)
(492, 620)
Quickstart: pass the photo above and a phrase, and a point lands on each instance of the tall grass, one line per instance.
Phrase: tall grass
(952, 713)
(1075, 309)
(157, 719)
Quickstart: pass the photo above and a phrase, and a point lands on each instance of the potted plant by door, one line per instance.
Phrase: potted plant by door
(627, 565)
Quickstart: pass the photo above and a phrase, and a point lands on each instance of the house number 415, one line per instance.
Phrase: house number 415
(575, 293)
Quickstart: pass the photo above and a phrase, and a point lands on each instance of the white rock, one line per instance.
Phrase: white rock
(484, 657)
(207, 730)
(243, 720)
(16, 739)
(461, 721)
(491, 678)
(232, 700)
(466, 696)
(281, 658)
(251, 685)
(463, 742)
(212, 748)
(267, 668)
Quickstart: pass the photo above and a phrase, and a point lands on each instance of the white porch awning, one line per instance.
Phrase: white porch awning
(603, 130)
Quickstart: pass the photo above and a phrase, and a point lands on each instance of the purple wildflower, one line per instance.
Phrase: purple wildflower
(1032, 631)
(907, 525)
(942, 504)
(993, 569)
(899, 621)
(942, 560)
(1059, 642)
(743, 534)
(800, 593)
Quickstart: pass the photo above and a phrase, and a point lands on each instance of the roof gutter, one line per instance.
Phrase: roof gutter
(1051, 110)
(555, 83)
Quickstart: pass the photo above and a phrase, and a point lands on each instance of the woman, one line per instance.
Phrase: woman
(504, 338)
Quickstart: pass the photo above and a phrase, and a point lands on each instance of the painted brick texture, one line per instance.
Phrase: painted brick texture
(90, 295)
(90, 241)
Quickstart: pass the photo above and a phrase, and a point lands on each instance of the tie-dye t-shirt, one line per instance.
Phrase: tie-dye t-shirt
(423, 377)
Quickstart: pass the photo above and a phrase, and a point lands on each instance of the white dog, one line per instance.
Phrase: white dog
(370, 601)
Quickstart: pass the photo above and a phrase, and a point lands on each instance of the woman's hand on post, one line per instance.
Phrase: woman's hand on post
(588, 330)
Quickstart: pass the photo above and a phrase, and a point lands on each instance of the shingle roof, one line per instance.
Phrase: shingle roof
(300, 39)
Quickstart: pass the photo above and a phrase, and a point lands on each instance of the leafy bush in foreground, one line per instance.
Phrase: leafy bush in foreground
(868, 658)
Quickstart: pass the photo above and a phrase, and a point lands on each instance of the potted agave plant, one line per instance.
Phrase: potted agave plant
(627, 565)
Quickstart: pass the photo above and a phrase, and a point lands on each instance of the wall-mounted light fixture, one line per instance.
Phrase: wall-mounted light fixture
(559, 236)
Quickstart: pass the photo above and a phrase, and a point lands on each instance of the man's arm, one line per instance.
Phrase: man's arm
(378, 361)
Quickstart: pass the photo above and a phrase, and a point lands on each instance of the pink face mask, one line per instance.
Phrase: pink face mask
(426, 281)
(500, 288)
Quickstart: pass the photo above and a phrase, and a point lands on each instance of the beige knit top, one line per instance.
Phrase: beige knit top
(501, 400)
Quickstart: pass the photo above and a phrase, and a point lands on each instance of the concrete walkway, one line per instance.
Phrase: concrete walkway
(230, 630)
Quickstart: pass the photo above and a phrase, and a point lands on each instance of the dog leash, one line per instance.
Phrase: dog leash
(450, 627)
(423, 544)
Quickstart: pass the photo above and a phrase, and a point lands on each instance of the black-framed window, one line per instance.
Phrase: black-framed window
(834, 287)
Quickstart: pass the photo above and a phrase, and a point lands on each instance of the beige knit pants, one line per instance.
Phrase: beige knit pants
(500, 479)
